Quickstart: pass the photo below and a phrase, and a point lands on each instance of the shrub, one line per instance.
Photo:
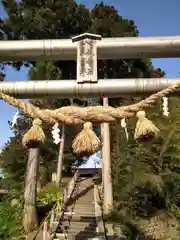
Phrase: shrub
(49, 195)
(10, 221)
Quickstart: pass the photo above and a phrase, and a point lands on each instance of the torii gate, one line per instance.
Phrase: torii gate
(88, 48)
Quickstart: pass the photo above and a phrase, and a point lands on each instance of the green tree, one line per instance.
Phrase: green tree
(146, 176)
(10, 221)
(13, 158)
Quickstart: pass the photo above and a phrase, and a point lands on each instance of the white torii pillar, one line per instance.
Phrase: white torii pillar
(106, 169)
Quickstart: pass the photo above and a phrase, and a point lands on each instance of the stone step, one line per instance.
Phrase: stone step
(74, 236)
(83, 214)
(80, 210)
(71, 237)
(88, 192)
(69, 213)
(78, 221)
(79, 224)
(85, 202)
(82, 236)
(77, 232)
(85, 196)
(80, 194)
(89, 219)
(54, 226)
(84, 205)
(77, 229)
(85, 210)
(79, 216)
(60, 229)
(60, 236)
(57, 238)
(82, 233)
(85, 193)
(82, 229)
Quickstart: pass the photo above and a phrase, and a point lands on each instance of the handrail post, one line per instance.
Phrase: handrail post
(45, 231)
(51, 218)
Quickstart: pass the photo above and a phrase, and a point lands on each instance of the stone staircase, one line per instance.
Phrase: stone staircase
(79, 221)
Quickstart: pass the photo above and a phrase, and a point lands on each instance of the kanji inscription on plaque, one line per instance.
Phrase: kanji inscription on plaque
(86, 57)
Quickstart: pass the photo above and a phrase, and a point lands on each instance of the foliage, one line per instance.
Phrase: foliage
(112, 217)
(13, 160)
(49, 195)
(146, 176)
(10, 221)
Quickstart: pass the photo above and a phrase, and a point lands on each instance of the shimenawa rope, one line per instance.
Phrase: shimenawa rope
(99, 114)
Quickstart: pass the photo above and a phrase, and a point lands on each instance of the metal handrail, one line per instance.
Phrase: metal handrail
(70, 188)
(60, 206)
(99, 212)
(45, 219)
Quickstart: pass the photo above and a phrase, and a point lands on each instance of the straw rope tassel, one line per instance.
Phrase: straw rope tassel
(145, 129)
(86, 142)
(35, 135)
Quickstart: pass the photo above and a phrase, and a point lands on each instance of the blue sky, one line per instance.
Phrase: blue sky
(153, 18)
